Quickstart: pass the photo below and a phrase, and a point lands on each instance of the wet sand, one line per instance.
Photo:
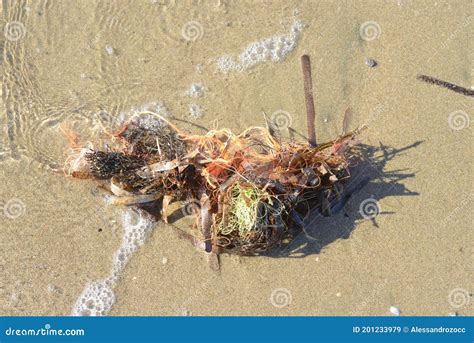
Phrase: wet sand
(74, 60)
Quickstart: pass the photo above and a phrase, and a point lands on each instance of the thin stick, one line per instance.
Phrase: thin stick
(308, 97)
(448, 85)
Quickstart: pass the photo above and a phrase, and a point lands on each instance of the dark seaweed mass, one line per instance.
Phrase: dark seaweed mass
(104, 165)
(144, 141)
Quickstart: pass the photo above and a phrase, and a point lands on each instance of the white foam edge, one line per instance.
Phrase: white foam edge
(98, 297)
(272, 49)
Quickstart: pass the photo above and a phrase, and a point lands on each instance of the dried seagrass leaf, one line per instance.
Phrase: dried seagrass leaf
(213, 261)
(206, 222)
(136, 199)
(151, 170)
(117, 189)
(164, 210)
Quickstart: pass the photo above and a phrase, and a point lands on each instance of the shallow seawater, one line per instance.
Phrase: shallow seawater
(88, 65)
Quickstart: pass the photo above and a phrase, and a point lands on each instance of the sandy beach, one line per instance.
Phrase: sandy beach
(89, 64)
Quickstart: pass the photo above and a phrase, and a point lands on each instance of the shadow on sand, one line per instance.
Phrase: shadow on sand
(370, 182)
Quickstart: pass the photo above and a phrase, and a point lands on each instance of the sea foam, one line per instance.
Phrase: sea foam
(98, 296)
(196, 90)
(195, 111)
(272, 49)
(155, 106)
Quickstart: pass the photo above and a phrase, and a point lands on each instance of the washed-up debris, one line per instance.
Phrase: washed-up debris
(248, 192)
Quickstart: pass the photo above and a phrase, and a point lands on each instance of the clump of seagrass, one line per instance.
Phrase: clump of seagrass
(250, 190)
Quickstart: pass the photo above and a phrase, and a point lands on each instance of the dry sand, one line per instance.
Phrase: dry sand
(73, 59)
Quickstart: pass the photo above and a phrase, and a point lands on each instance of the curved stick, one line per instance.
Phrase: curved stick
(308, 96)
